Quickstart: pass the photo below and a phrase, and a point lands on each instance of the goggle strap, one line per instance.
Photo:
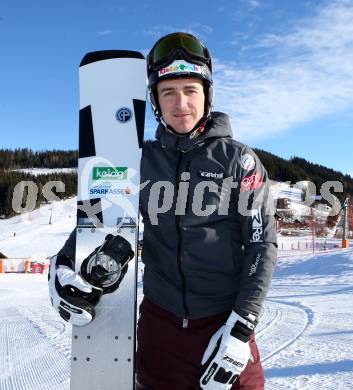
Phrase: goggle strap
(184, 54)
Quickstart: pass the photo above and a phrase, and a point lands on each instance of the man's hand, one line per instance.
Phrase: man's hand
(71, 296)
(227, 354)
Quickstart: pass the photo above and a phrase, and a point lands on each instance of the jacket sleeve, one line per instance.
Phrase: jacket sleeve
(69, 248)
(255, 210)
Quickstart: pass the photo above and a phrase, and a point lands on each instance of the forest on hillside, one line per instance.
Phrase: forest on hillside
(279, 169)
(27, 158)
(12, 160)
(297, 169)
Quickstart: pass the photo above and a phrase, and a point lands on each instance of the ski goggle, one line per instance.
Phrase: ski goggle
(167, 47)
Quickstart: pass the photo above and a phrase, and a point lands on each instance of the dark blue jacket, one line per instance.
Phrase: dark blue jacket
(201, 257)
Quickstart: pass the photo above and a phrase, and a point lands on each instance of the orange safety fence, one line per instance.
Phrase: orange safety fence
(23, 265)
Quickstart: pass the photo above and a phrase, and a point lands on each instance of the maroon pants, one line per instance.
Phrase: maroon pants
(169, 356)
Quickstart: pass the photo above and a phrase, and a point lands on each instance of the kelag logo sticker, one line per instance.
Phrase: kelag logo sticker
(109, 173)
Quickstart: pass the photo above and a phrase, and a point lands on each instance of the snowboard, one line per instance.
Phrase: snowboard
(111, 127)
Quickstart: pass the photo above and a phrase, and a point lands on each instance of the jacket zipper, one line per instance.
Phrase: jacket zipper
(185, 320)
(187, 169)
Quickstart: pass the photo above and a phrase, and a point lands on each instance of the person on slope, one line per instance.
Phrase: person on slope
(210, 256)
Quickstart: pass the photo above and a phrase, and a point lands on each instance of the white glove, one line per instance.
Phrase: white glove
(71, 296)
(227, 354)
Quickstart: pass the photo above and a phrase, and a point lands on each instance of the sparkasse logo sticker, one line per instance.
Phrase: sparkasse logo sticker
(109, 173)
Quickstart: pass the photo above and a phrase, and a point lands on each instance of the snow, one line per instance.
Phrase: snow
(45, 171)
(313, 347)
(304, 335)
(284, 190)
(29, 235)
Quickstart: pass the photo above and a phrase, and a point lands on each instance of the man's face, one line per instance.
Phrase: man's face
(182, 102)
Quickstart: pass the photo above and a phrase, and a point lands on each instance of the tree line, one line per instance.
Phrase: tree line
(298, 169)
(27, 158)
(9, 180)
(21, 158)
(295, 169)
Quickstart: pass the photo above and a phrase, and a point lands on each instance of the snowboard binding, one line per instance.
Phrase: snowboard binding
(107, 265)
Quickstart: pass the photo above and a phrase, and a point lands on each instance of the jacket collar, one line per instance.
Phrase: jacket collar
(217, 127)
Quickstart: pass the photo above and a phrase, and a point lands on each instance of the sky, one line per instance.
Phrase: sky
(283, 69)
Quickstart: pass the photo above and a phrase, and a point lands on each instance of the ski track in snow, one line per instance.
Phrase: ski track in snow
(35, 343)
(305, 333)
(292, 320)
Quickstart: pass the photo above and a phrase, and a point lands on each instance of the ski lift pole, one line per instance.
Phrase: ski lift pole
(314, 198)
(345, 241)
(51, 214)
(313, 227)
(350, 218)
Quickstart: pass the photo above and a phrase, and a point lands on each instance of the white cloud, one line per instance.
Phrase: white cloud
(253, 4)
(309, 75)
(105, 32)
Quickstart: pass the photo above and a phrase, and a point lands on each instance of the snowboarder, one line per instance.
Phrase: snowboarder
(209, 244)
(206, 273)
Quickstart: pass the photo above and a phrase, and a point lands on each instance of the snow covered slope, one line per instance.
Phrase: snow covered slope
(31, 235)
(305, 332)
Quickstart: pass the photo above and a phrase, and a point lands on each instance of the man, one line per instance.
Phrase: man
(209, 255)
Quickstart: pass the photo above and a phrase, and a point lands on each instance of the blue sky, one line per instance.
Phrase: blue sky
(283, 70)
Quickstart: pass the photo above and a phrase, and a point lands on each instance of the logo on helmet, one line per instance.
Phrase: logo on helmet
(180, 67)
